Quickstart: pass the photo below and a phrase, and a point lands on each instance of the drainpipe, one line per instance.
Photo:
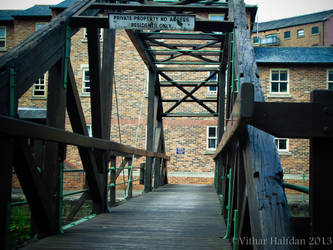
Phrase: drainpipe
(323, 34)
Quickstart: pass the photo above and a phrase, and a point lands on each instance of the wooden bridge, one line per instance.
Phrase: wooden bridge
(248, 176)
(173, 217)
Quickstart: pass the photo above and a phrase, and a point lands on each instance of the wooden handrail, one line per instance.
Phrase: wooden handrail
(20, 128)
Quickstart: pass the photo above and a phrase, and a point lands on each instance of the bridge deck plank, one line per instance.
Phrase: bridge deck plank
(172, 217)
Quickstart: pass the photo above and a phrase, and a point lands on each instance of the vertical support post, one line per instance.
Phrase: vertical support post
(150, 130)
(235, 238)
(227, 234)
(220, 131)
(303, 183)
(113, 178)
(56, 103)
(321, 172)
(97, 109)
(130, 178)
(142, 172)
(6, 155)
(107, 76)
(157, 169)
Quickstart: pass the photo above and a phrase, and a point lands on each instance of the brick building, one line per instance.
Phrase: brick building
(289, 75)
(314, 29)
(190, 142)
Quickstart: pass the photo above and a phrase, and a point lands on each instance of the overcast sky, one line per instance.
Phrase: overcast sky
(267, 9)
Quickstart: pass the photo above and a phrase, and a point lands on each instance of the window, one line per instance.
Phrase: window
(211, 137)
(330, 79)
(286, 35)
(255, 39)
(85, 35)
(279, 81)
(2, 37)
(216, 18)
(212, 90)
(315, 30)
(89, 130)
(300, 33)
(86, 81)
(38, 89)
(282, 144)
(38, 26)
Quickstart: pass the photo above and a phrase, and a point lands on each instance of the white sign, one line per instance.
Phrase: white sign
(151, 21)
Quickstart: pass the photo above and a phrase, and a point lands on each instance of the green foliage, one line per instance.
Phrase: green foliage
(19, 225)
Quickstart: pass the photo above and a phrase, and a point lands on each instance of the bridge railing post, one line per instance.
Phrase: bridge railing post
(321, 172)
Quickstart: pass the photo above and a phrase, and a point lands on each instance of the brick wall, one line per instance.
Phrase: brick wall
(294, 41)
(329, 32)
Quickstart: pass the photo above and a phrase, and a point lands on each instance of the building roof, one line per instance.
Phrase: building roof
(294, 55)
(32, 113)
(64, 4)
(7, 15)
(36, 10)
(294, 21)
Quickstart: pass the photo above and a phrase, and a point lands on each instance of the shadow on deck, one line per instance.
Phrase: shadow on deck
(172, 217)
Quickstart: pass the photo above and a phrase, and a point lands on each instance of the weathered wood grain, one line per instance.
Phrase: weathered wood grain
(173, 217)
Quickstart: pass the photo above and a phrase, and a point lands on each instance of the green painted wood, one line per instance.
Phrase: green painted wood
(173, 217)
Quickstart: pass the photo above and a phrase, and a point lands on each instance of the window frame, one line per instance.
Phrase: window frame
(208, 138)
(4, 39)
(38, 84)
(212, 93)
(255, 40)
(270, 81)
(85, 35)
(312, 30)
(38, 23)
(300, 36)
(328, 81)
(84, 92)
(278, 145)
(284, 35)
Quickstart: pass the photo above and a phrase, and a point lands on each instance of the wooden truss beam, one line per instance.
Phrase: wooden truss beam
(78, 123)
(142, 49)
(160, 8)
(35, 55)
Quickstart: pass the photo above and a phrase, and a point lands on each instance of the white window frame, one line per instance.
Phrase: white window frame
(85, 37)
(208, 137)
(278, 148)
(36, 25)
(303, 33)
(36, 86)
(270, 82)
(328, 81)
(4, 39)
(212, 93)
(84, 88)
